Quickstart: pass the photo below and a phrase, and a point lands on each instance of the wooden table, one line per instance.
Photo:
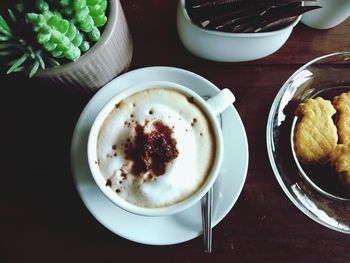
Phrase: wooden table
(42, 216)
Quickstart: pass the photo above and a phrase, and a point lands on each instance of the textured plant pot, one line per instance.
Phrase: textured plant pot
(110, 56)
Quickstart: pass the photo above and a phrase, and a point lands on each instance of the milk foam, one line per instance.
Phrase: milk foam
(191, 130)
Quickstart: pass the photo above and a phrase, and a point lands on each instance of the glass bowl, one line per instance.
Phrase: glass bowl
(320, 197)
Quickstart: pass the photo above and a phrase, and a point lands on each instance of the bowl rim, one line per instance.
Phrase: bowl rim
(114, 9)
(228, 34)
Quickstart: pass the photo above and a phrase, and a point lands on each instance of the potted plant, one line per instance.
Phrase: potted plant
(71, 43)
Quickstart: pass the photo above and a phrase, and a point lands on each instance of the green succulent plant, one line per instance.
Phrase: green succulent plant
(19, 53)
(87, 15)
(49, 32)
(57, 35)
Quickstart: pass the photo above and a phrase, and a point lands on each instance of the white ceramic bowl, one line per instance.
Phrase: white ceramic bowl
(330, 15)
(228, 47)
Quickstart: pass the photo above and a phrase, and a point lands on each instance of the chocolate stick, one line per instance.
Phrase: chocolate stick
(281, 19)
(252, 16)
(228, 2)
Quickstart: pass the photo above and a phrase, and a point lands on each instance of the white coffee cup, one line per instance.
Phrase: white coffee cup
(332, 13)
(211, 108)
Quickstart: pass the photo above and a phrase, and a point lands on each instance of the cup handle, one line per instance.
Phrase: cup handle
(221, 101)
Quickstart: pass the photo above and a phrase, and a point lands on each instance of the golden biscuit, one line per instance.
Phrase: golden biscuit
(342, 105)
(341, 162)
(315, 135)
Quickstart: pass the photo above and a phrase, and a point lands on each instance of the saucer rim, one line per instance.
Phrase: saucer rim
(103, 92)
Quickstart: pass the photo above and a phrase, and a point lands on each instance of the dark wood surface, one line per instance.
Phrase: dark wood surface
(42, 218)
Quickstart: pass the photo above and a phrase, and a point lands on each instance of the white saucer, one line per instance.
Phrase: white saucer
(170, 229)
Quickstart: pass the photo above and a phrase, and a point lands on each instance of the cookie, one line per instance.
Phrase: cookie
(315, 135)
(342, 104)
(341, 162)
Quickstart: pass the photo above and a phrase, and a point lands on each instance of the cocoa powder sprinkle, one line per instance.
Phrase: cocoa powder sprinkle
(109, 182)
(151, 152)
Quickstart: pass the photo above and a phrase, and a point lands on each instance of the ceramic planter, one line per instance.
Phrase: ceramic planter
(110, 56)
(332, 13)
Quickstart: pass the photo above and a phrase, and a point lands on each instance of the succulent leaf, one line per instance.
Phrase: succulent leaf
(6, 45)
(4, 53)
(4, 27)
(49, 46)
(53, 62)
(34, 69)
(42, 5)
(95, 34)
(92, 2)
(85, 46)
(40, 59)
(18, 63)
(19, 69)
(100, 20)
(12, 15)
(4, 38)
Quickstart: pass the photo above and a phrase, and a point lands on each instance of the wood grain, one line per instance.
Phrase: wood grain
(42, 217)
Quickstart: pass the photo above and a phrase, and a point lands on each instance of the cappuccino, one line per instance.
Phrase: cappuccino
(156, 147)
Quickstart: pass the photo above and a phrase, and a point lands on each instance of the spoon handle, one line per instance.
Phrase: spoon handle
(207, 205)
